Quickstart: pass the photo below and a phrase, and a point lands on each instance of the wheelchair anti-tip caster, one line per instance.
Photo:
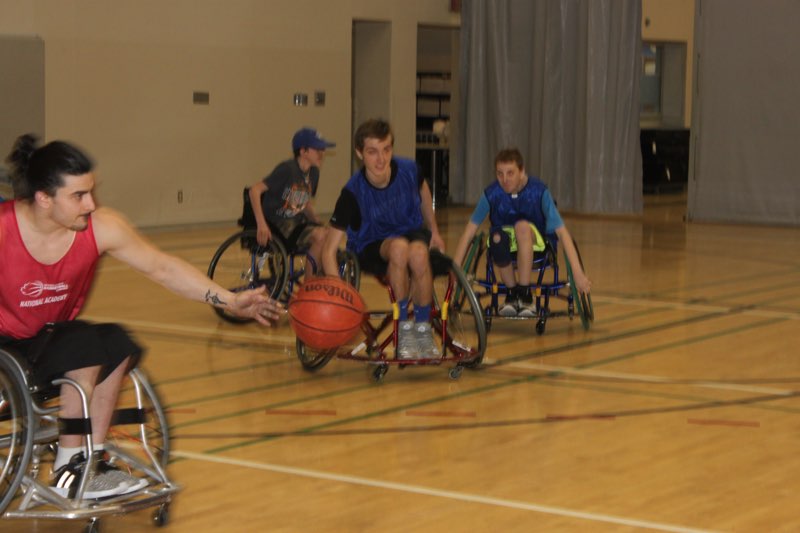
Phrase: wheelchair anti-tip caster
(378, 372)
(161, 515)
(540, 326)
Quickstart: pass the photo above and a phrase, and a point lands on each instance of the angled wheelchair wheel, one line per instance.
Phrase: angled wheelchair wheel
(240, 264)
(139, 429)
(16, 428)
(350, 271)
(156, 425)
(583, 302)
(456, 307)
(311, 359)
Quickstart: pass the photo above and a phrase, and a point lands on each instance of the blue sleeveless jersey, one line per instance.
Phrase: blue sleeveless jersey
(506, 210)
(395, 210)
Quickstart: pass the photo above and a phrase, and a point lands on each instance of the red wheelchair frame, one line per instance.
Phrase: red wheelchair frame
(456, 319)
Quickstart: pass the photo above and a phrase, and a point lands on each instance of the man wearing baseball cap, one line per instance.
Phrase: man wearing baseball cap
(285, 197)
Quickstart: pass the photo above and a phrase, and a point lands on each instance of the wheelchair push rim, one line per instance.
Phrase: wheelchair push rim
(240, 264)
(16, 429)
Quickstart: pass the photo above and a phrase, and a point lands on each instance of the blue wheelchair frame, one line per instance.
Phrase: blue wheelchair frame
(490, 288)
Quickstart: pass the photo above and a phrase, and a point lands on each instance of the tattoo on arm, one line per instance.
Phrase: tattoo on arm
(213, 299)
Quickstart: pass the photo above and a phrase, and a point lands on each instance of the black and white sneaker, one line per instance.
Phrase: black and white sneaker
(526, 307)
(511, 306)
(104, 468)
(67, 479)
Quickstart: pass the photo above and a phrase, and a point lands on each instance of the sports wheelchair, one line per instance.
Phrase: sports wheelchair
(29, 438)
(456, 318)
(240, 263)
(546, 283)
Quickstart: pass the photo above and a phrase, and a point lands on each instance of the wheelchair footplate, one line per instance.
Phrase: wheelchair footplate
(377, 348)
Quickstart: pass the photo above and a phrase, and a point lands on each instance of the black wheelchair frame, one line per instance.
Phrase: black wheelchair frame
(240, 263)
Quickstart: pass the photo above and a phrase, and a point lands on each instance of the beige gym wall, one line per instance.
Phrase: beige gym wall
(119, 80)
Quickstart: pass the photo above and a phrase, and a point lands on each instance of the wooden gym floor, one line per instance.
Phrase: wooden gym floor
(677, 411)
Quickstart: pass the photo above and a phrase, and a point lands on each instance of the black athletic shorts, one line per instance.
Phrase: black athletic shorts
(295, 232)
(370, 259)
(64, 346)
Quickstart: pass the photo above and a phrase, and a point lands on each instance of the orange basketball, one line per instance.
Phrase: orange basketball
(326, 313)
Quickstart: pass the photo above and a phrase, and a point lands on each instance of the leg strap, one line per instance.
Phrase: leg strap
(131, 415)
(75, 426)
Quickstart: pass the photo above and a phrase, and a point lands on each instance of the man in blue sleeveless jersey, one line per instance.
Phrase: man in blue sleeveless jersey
(386, 210)
(520, 210)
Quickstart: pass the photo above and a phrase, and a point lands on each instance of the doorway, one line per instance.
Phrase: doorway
(370, 83)
(437, 105)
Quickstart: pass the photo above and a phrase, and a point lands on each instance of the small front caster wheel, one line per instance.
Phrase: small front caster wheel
(455, 372)
(540, 326)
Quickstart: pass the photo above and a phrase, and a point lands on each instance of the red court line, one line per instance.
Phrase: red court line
(732, 423)
(466, 414)
(326, 412)
(556, 418)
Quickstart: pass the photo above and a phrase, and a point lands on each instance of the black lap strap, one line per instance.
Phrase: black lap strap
(75, 426)
(131, 415)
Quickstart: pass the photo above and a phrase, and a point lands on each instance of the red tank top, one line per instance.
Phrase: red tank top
(33, 294)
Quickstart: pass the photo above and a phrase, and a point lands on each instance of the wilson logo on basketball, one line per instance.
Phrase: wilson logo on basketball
(330, 290)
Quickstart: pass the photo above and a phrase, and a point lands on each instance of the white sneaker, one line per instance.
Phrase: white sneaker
(510, 307)
(406, 340)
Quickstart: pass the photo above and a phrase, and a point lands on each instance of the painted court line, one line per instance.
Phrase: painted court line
(651, 379)
(445, 414)
(417, 489)
(173, 328)
(717, 422)
(308, 412)
(695, 307)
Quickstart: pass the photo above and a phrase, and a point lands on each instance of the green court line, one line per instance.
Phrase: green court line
(374, 414)
(526, 355)
(262, 408)
(726, 281)
(478, 390)
(250, 390)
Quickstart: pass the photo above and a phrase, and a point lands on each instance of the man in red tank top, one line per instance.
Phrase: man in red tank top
(51, 237)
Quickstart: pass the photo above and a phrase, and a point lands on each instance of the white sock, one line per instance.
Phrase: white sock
(63, 456)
